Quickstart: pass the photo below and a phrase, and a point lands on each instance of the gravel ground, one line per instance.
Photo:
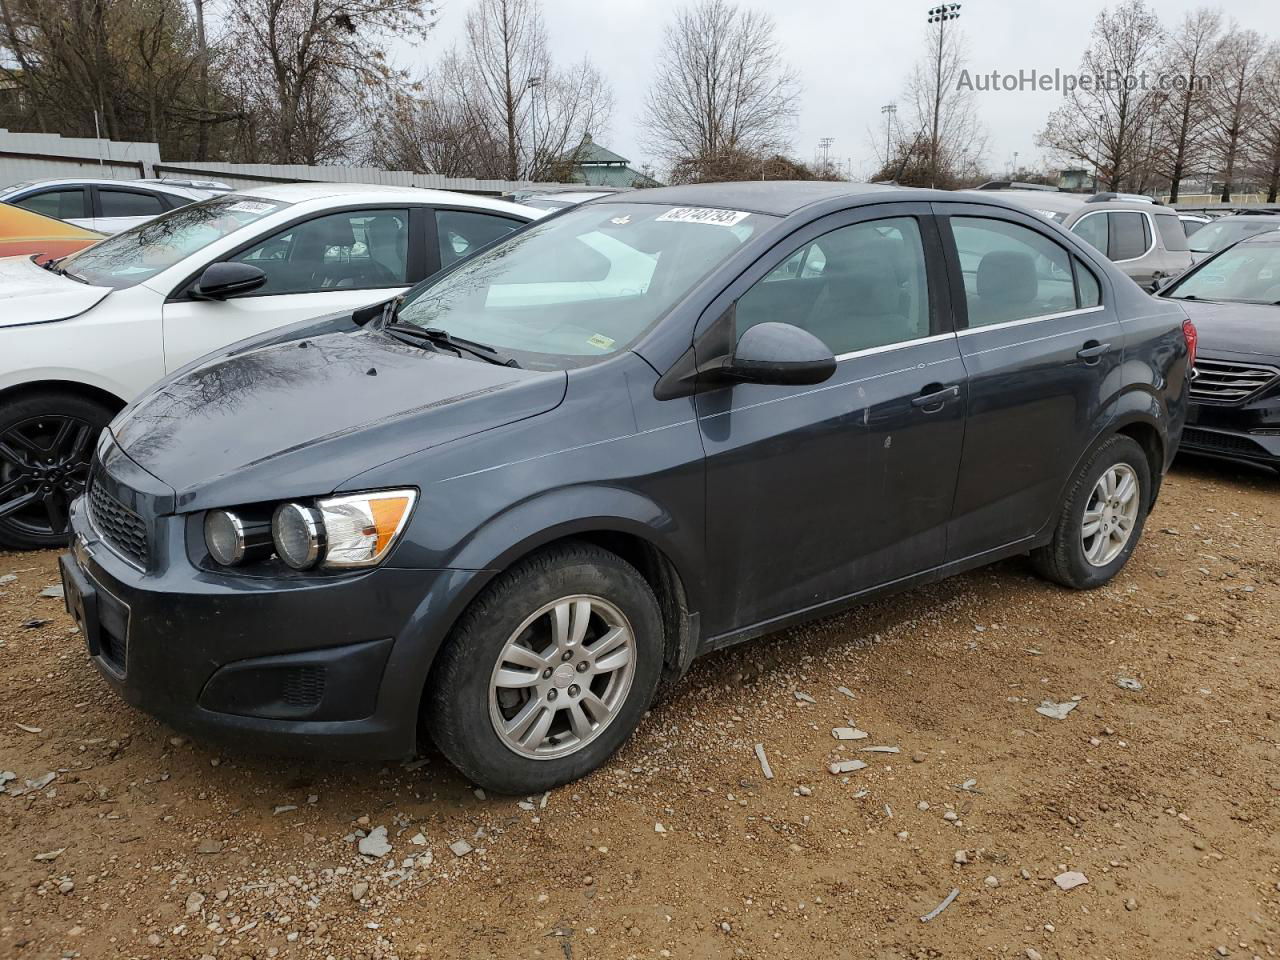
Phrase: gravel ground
(145, 844)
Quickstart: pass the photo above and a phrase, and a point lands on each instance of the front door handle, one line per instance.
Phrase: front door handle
(1092, 351)
(936, 398)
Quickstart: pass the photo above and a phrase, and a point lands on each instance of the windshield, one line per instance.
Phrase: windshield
(1223, 233)
(1248, 273)
(583, 284)
(135, 255)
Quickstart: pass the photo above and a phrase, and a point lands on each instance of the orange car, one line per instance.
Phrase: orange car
(23, 233)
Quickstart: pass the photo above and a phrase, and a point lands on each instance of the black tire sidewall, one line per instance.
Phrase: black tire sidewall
(48, 404)
(458, 713)
(1117, 450)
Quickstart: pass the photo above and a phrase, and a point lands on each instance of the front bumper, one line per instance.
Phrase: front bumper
(1235, 433)
(309, 666)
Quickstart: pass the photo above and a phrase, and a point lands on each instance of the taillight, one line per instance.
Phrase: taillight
(1192, 336)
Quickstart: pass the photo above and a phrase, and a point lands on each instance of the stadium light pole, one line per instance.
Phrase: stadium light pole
(940, 15)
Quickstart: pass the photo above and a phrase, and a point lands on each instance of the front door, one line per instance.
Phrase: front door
(1043, 350)
(327, 264)
(818, 492)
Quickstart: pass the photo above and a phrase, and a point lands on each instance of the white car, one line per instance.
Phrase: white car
(82, 337)
(107, 206)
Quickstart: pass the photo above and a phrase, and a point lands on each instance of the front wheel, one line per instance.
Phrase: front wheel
(46, 444)
(548, 672)
(1101, 519)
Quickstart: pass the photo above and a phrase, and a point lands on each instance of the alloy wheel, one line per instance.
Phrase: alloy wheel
(562, 677)
(1111, 514)
(44, 465)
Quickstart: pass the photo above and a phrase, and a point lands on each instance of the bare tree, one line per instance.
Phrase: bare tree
(721, 88)
(1237, 61)
(1104, 122)
(1185, 61)
(1263, 137)
(300, 61)
(945, 108)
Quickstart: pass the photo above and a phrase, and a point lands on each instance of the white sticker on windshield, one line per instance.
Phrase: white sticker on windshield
(251, 206)
(719, 218)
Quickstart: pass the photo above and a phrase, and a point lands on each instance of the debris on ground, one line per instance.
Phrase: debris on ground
(1056, 711)
(1128, 683)
(375, 843)
(848, 733)
(932, 914)
(460, 848)
(1070, 880)
(764, 762)
(804, 697)
(846, 766)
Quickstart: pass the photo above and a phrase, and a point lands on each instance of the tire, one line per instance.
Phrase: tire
(1066, 559)
(46, 444)
(467, 695)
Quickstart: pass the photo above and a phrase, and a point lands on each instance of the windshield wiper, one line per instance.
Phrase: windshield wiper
(459, 345)
(1192, 296)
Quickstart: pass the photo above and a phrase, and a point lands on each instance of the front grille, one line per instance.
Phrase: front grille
(1224, 442)
(121, 528)
(1226, 381)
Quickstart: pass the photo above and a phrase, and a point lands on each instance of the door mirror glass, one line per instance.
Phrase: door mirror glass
(781, 354)
(222, 280)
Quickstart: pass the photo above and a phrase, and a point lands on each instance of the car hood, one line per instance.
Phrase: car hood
(31, 294)
(1235, 327)
(298, 418)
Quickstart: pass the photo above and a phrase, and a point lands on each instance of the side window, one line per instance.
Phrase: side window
(463, 232)
(1011, 272)
(1088, 290)
(1130, 235)
(59, 204)
(858, 287)
(1171, 233)
(1092, 229)
(360, 249)
(128, 203)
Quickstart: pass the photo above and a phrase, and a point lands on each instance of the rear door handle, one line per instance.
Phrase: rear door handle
(935, 399)
(1092, 350)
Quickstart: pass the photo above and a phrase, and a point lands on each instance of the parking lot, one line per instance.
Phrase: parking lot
(144, 844)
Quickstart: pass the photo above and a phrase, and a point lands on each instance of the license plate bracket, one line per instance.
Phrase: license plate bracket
(81, 600)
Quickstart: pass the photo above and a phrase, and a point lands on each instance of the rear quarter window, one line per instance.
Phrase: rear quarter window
(1172, 235)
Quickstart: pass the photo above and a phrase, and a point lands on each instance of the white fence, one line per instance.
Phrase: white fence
(48, 156)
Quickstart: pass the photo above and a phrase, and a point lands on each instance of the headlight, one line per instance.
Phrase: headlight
(355, 530)
(233, 538)
(298, 534)
(361, 528)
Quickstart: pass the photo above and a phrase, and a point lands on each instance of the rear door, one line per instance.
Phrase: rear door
(119, 208)
(1042, 347)
(62, 203)
(320, 264)
(815, 493)
(455, 233)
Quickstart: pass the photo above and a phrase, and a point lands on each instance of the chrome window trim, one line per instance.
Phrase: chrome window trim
(1078, 312)
(1151, 226)
(888, 347)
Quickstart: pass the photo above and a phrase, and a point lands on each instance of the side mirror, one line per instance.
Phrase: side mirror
(1161, 283)
(222, 280)
(781, 354)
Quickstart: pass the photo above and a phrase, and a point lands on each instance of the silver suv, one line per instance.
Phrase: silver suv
(1144, 239)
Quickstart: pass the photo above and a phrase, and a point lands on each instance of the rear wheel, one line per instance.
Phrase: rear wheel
(548, 672)
(46, 445)
(1101, 519)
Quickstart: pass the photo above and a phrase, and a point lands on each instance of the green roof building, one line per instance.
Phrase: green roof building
(598, 166)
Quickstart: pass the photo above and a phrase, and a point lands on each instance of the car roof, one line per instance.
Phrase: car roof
(1052, 200)
(1134, 206)
(156, 185)
(775, 197)
(382, 193)
(1270, 236)
(1268, 217)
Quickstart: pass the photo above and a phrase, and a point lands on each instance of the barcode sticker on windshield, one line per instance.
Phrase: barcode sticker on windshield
(251, 206)
(719, 218)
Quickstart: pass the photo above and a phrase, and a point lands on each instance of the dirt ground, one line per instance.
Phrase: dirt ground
(148, 845)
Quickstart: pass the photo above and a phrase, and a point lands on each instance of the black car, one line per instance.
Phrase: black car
(533, 489)
(1235, 397)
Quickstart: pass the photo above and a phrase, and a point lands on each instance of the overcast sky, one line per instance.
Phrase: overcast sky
(852, 59)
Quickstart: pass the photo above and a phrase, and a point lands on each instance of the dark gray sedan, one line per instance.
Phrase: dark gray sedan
(1235, 302)
(504, 508)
